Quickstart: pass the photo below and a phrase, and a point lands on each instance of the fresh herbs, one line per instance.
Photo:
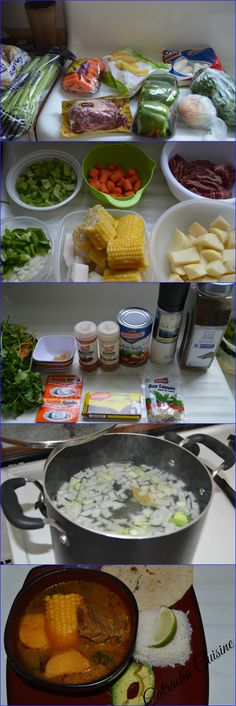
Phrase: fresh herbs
(21, 387)
(19, 246)
(46, 183)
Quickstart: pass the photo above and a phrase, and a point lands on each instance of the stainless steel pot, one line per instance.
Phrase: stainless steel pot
(74, 544)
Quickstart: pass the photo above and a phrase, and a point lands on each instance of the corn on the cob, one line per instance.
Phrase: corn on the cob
(61, 618)
(99, 257)
(124, 276)
(99, 226)
(131, 226)
(127, 255)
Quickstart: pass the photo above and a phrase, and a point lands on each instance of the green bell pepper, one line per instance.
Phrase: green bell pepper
(152, 120)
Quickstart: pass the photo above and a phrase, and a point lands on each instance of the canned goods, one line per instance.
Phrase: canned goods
(135, 330)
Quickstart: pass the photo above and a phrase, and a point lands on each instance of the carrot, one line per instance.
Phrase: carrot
(111, 167)
(127, 186)
(93, 173)
(104, 176)
(129, 193)
(110, 186)
(103, 188)
(116, 176)
(96, 184)
(131, 172)
(99, 166)
(117, 191)
(137, 185)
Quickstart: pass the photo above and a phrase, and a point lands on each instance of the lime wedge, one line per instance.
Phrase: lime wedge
(166, 627)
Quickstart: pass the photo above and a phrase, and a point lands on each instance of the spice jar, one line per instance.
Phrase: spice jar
(109, 344)
(87, 343)
(206, 315)
(168, 318)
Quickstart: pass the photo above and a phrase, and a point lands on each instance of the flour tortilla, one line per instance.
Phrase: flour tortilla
(156, 585)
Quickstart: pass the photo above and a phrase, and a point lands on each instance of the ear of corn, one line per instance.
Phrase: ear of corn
(130, 226)
(99, 226)
(99, 257)
(121, 276)
(127, 255)
(61, 618)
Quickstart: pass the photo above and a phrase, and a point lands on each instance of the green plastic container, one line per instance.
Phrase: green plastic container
(127, 156)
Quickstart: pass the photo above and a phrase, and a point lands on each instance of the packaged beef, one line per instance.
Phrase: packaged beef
(83, 75)
(155, 117)
(186, 62)
(111, 113)
(202, 177)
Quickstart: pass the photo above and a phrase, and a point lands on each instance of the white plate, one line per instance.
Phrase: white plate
(50, 346)
(70, 222)
(40, 156)
(181, 216)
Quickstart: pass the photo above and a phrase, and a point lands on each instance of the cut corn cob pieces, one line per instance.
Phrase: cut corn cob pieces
(130, 226)
(99, 226)
(61, 618)
(99, 257)
(127, 254)
(121, 276)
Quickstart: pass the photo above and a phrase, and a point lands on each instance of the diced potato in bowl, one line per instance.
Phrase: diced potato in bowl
(193, 242)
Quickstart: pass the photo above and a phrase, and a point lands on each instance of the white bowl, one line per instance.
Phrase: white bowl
(41, 156)
(218, 152)
(50, 346)
(181, 216)
(26, 222)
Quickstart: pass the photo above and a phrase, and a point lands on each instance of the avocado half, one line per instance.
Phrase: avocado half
(136, 672)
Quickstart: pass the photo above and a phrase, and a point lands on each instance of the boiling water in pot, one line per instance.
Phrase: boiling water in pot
(127, 499)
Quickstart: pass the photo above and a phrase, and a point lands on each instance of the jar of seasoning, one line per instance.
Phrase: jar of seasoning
(109, 344)
(87, 343)
(206, 315)
(135, 331)
(168, 318)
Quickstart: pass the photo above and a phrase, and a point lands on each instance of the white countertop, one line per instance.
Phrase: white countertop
(214, 588)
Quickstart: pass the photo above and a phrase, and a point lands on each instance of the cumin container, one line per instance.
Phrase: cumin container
(135, 332)
(85, 333)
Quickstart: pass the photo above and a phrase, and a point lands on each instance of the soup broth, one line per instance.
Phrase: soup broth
(74, 633)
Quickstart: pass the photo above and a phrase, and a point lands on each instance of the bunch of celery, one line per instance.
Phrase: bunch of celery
(19, 104)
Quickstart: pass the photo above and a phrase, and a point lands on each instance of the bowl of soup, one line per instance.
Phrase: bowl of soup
(72, 630)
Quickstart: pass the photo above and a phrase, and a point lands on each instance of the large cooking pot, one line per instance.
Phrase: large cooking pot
(75, 544)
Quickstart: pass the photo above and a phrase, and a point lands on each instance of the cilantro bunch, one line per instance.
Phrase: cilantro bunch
(21, 387)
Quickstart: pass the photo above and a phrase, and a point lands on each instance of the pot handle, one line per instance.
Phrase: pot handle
(225, 452)
(12, 508)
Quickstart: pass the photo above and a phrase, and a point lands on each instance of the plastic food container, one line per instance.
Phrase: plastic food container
(218, 152)
(181, 216)
(41, 156)
(27, 222)
(127, 156)
(68, 224)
